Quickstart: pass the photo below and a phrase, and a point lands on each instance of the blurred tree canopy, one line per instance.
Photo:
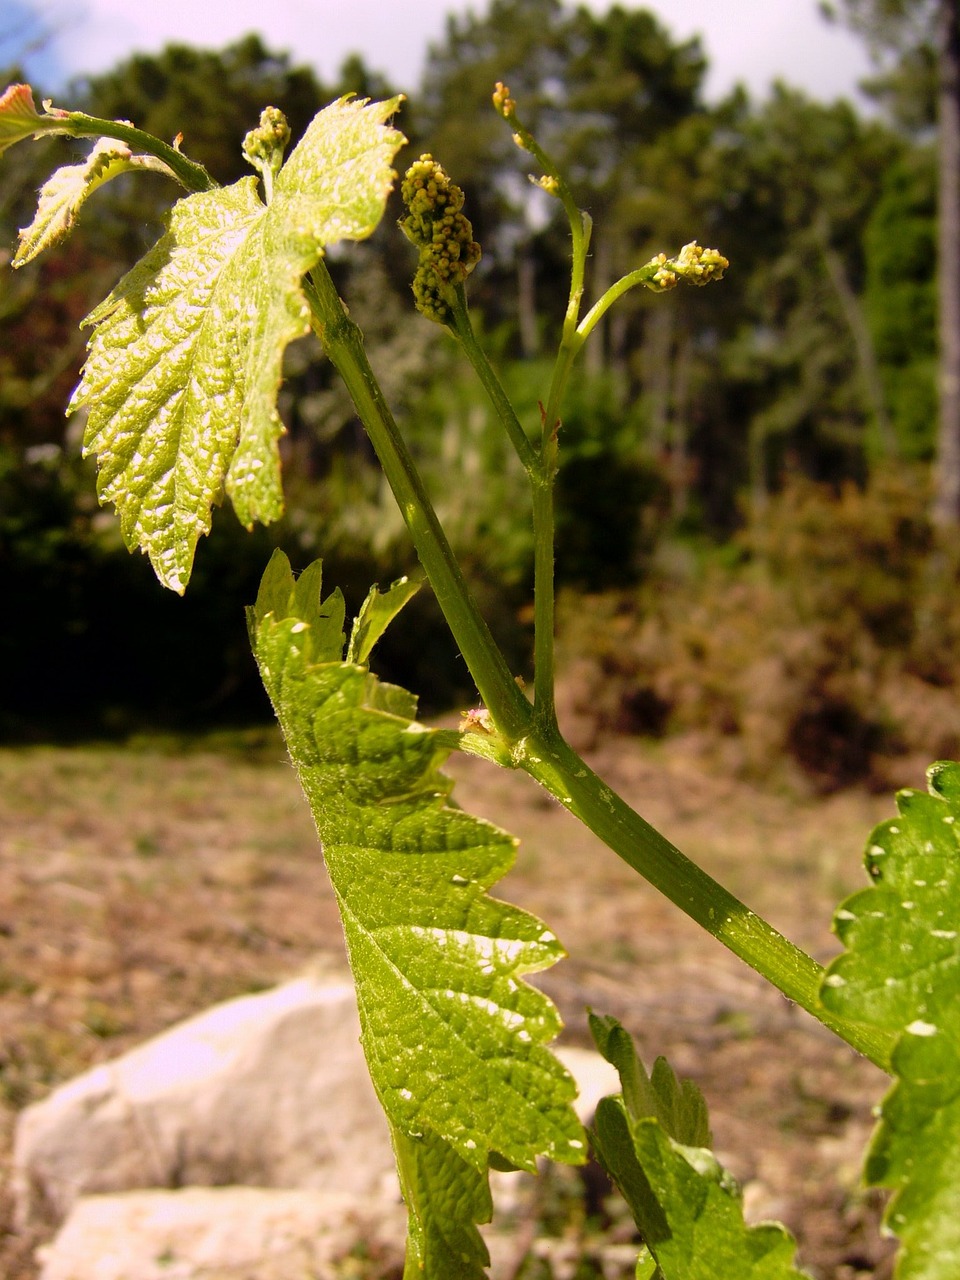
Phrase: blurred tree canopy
(690, 413)
(916, 45)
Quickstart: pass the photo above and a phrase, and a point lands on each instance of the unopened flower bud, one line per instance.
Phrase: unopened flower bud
(264, 146)
(502, 102)
(692, 265)
(442, 233)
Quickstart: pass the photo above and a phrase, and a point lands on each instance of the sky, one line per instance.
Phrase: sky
(753, 41)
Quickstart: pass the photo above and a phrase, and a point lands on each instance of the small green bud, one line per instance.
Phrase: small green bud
(264, 146)
(442, 233)
(503, 104)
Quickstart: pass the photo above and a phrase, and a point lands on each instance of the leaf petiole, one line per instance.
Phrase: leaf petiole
(77, 124)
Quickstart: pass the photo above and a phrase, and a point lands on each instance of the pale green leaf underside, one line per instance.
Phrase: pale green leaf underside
(687, 1207)
(445, 1198)
(186, 356)
(454, 1038)
(692, 1215)
(376, 613)
(66, 191)
(901, 972)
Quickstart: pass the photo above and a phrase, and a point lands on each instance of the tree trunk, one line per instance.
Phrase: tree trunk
(757, 462)
(657, 356)
(862, 339)
(680, 474)
(527, 301)
(946, 500)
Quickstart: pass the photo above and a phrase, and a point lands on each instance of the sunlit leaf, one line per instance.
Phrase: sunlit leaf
(901, 972)
(65, 192)
(688, 1209)
(454, 1038)
(186, 356)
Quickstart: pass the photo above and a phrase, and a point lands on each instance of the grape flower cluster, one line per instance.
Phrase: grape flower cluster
(692, 265)
(442, 232)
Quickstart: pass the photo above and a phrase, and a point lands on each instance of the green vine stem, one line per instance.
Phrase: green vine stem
(343, 343)
(555, 184)
(539, 749)
(544, 623)
(462, 329)
(794, 973)
(541, 472)
(77, 124)
(581, 228)
(692, 265)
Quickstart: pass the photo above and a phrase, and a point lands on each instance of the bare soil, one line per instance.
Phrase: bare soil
(139, 885)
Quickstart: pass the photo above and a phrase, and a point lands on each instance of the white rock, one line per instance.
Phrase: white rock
(265, 1090)
(594, 1075)
(268, 1090)
(223, 1233)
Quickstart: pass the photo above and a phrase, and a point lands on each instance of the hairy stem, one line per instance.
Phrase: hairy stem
(193, 176)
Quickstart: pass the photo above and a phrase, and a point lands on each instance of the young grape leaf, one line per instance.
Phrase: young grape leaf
(65, 192)
(445, 1198)
(901, 972)
(455, 1040)
(186, 355)
(679, 1106)
(376, 613)
(20, 119)
(688, 1209)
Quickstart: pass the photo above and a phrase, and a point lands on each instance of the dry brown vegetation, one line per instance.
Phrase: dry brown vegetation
(817, 648)
(139, 885)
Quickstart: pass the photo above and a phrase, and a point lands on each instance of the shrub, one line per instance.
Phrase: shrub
(823, 648)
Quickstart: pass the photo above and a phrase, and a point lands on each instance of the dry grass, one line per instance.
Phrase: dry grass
(140, 885)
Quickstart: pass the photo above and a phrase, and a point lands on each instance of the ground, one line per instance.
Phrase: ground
(141, 884)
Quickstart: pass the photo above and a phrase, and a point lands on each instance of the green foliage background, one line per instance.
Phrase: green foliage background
(692, 435)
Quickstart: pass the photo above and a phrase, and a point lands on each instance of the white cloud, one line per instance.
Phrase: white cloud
(756, 41)
(759, 41)
(393, 37)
